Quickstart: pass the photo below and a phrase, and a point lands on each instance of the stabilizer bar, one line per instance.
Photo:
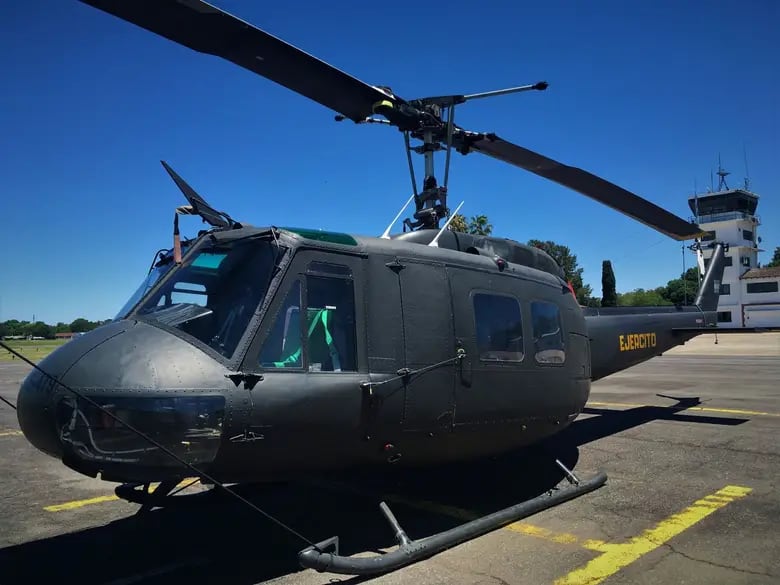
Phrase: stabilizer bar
(411, 551)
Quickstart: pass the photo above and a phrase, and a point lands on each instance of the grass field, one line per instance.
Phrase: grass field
(33, 350)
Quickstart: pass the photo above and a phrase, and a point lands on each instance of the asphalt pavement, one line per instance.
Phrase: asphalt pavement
(689, 441)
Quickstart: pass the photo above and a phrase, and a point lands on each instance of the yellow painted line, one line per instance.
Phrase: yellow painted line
(617, 556)
(98, 500)
(559, 537)
(79, 503)
(692, 408)
(520, 526)
(10, 433)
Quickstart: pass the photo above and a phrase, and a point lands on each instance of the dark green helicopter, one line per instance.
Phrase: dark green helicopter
(259, 354)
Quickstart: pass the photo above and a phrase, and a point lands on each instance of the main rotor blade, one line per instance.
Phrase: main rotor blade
(199, 205)
(207, 29)
(588, 184)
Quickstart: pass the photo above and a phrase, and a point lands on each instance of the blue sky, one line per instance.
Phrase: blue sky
(645, 94)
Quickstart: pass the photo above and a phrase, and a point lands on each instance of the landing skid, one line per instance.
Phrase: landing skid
(412, 551)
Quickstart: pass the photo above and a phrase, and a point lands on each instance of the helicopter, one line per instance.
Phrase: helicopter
(254, 354)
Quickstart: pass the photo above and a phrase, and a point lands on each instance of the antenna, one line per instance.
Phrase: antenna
(386, 234)
(685, 281)
(722, 174)
(435, 241)
(747, 173)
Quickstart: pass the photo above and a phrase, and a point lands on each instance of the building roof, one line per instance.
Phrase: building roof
(772, 272)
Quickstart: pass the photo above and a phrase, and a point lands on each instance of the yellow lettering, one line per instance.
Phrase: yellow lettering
(634, 341)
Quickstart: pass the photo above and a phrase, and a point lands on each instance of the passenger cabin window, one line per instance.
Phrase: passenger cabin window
(548, 334)
(329, 328)
(499, 328)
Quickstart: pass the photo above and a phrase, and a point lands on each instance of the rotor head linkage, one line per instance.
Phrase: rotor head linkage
(424, 120)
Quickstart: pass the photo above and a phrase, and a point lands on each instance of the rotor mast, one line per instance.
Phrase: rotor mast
(431, 203)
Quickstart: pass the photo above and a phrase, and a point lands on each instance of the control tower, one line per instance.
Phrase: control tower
(749, 295)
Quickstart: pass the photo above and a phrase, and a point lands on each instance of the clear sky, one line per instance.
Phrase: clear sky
(645, 94)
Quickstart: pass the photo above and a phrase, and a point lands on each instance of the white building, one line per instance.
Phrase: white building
(749, 295)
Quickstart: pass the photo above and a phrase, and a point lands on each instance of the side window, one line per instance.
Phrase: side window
(282, 348)
(499, 328)
(548, 335)
(186, 292)
(330, 324)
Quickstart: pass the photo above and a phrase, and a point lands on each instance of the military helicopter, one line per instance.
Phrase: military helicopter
(257, 354)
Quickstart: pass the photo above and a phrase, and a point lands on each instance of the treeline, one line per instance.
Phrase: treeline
(678, 291)
(15, 328)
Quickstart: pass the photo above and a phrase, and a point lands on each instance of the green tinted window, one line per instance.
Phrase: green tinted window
(282, 348)
(331, 324)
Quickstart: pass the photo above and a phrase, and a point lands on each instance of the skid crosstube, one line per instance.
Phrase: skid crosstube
(412, 551)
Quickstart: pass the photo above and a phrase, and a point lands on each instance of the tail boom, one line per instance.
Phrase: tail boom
(621, 337)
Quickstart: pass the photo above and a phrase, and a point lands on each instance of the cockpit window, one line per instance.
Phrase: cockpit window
(326, 342)
(214, 294)
(158, 270)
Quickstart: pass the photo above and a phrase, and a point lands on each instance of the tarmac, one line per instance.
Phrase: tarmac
(689, 441)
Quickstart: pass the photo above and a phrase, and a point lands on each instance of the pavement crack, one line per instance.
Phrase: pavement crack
(714, 564)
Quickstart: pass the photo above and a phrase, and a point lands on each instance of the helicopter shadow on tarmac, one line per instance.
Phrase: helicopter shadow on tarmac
(210, 537)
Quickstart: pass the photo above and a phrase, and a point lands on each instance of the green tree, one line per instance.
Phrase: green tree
(682, 291)
(81, 325)
(608, 290)
(642, 298)
(478, 225)
(568, 261)
(458, 224)
(41, 329)
(775, 259)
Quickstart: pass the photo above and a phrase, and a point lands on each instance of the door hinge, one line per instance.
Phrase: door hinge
(395, 265)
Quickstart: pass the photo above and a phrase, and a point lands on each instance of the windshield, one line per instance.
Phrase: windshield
(158, 271)
(214, 293)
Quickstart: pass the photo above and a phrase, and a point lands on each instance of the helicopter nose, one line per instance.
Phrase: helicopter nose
(35, 408)
(144, 376)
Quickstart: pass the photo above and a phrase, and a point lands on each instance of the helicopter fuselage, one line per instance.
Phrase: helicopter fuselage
(408, 354)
